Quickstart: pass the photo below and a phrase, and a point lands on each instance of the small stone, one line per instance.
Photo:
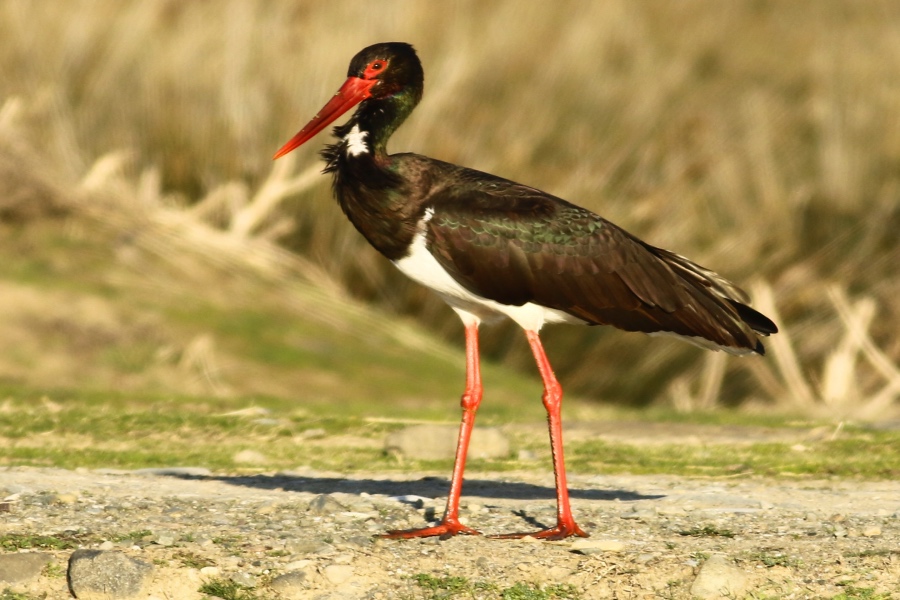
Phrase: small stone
(641, 514)
(107, 545)
(872, 531)
(359, 540)
(325, 504)
(267, 508)
(719, 579)
(170, 471)
(165, 539)
(302, 546)
(338, 574)
(210, 571)
(243, 578)
(250, 457)
(16, 568)
(96, 575)
(67, 498)
(527, 455)
(589, 546)
(557, 573)
(290, 585)
(438, 442)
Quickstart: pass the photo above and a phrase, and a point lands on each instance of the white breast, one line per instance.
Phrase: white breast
(420, 266)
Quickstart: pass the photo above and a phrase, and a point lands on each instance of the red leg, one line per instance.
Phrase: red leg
(450, 525)
(565, 523)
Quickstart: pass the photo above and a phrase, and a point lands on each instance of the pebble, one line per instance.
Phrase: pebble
(325, 505)
(872, 531)
(590, 546)
(165, 471)
(100, 575)
(250, 457)
(165, 539)
(67, 498)
(16, 568)
(338, 574)
(719, 579)
(290, 585)
(641, 514)
(438, 442)
(243, 578)
(267, 508)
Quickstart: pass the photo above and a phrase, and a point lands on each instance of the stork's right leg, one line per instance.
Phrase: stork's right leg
(471, 399)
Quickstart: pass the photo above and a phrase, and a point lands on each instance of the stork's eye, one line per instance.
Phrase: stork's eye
(374, 68)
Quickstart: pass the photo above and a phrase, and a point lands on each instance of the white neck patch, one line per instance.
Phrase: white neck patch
(356, 142)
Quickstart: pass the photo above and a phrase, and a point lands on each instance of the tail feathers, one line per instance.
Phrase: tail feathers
(757, 321)
(702, 279)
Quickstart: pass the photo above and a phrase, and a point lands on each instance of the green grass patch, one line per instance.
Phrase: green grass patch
(151, 429)
(861, 453)
(448, 587)
(8, 594)
(192, 560)
(773, 558)
(134, 536)
(531, 591)
(707, 531)
(11, 542)
(445, 588)
(860, 593)
(227, 590)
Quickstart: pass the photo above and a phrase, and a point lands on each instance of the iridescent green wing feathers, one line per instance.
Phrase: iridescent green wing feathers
(514, 244)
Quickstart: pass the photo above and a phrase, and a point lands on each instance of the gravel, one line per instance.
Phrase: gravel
(311, 534)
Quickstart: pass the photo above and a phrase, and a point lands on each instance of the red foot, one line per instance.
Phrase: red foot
(560, 532)
(445, 529)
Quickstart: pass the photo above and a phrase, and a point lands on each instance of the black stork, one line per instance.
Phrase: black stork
(491, 247)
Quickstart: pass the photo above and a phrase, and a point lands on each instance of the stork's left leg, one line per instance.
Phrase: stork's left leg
(565, 523)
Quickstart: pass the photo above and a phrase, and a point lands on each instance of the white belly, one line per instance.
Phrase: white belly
(422, 267)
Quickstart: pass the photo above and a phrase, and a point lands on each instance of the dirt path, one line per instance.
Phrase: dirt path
(653, 534)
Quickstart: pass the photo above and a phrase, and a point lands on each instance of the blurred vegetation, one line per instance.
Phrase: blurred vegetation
(759, 138)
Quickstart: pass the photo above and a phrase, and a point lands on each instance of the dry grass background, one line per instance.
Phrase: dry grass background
(759, 138)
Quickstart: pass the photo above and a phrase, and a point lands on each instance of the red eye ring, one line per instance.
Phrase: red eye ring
(374, 68)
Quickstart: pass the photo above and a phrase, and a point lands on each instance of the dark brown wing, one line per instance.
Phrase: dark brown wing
(514, 244)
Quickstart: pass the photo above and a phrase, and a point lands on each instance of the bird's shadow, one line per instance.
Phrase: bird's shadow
(428, 487)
